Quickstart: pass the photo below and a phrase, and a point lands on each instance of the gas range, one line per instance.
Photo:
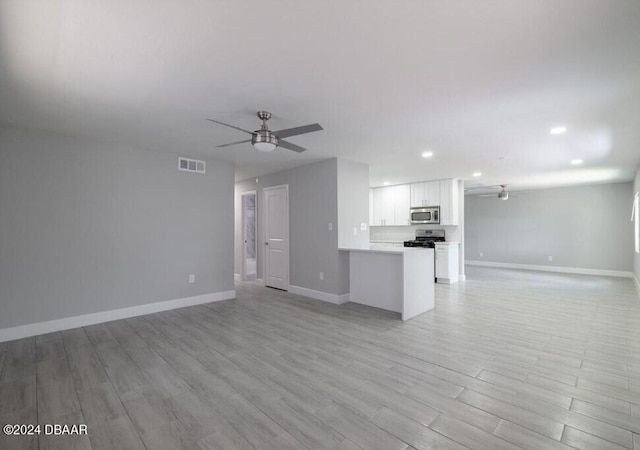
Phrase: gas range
(426, 238)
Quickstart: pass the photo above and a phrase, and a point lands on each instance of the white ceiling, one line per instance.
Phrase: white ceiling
(479, 83)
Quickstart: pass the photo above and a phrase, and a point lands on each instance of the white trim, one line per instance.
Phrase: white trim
(237, 277)
(462, 277)
(260, 282)
(319, 295)
(50, 326)
(577, 270)
(635, 278)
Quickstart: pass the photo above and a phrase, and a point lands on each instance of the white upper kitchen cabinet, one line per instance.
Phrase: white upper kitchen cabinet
(426, 193)
(402, 195)
(383, 206)
(390, 205)
(449, 202)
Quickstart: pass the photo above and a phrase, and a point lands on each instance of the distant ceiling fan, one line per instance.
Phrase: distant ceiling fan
(265, 140)
(502, 195)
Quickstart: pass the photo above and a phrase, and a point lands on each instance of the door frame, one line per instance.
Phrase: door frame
(263, 228)
(243, 222)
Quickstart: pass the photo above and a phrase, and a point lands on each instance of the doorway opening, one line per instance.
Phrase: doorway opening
(249, 237)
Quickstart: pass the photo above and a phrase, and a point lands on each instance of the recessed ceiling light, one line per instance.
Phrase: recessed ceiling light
(576, 162)
(386, 183)
(558, 130)
(427, 154)
(476, 174)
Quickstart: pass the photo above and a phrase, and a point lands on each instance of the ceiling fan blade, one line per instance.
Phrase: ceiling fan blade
(288, 132)
(290, 146)
(231, 126)
(233, 143)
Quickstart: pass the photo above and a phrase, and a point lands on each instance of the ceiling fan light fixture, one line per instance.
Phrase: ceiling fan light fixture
(264, 141)
(264, 146)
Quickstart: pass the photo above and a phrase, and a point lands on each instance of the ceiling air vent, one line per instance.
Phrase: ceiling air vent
(191, 165)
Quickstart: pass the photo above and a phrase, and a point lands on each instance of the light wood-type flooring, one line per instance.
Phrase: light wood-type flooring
(508, 359)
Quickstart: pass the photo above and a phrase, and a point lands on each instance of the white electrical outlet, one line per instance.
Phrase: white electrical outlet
(481, 254)
(363, 227)
(322, 275)
(355, 231)
(550, 258)
(192, 278)
(330, 226)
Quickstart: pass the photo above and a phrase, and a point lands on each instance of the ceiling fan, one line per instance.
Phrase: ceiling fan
(502, 195)
(265, 140)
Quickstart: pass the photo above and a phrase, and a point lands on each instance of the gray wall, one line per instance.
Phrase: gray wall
(353, 204)
(581, 227)
(636, 256)
(88, 227)
(353, 211)
(313, 204)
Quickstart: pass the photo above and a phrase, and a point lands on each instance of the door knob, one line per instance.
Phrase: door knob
(266, 243)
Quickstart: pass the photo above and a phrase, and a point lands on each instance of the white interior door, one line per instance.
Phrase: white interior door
(276, 245)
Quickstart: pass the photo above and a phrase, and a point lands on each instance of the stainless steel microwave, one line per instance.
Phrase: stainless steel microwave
(425, 214)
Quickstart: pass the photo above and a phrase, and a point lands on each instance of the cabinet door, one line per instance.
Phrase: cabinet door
(442, 261)
(447, 263)
(417, 194)
(402, 197)
(448, 202)
(383, 206)
(432, 193)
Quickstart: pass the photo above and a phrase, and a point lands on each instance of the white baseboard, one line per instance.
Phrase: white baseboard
(34, 329)
(319, 295)
(635, 278)
(237, 277)
(260, 282)
(462, 277)
(576, 270)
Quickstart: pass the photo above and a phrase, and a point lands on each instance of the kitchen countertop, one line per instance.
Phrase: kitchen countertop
(376, 249)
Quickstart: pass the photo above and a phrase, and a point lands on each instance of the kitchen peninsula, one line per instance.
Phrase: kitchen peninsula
(391, 278)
